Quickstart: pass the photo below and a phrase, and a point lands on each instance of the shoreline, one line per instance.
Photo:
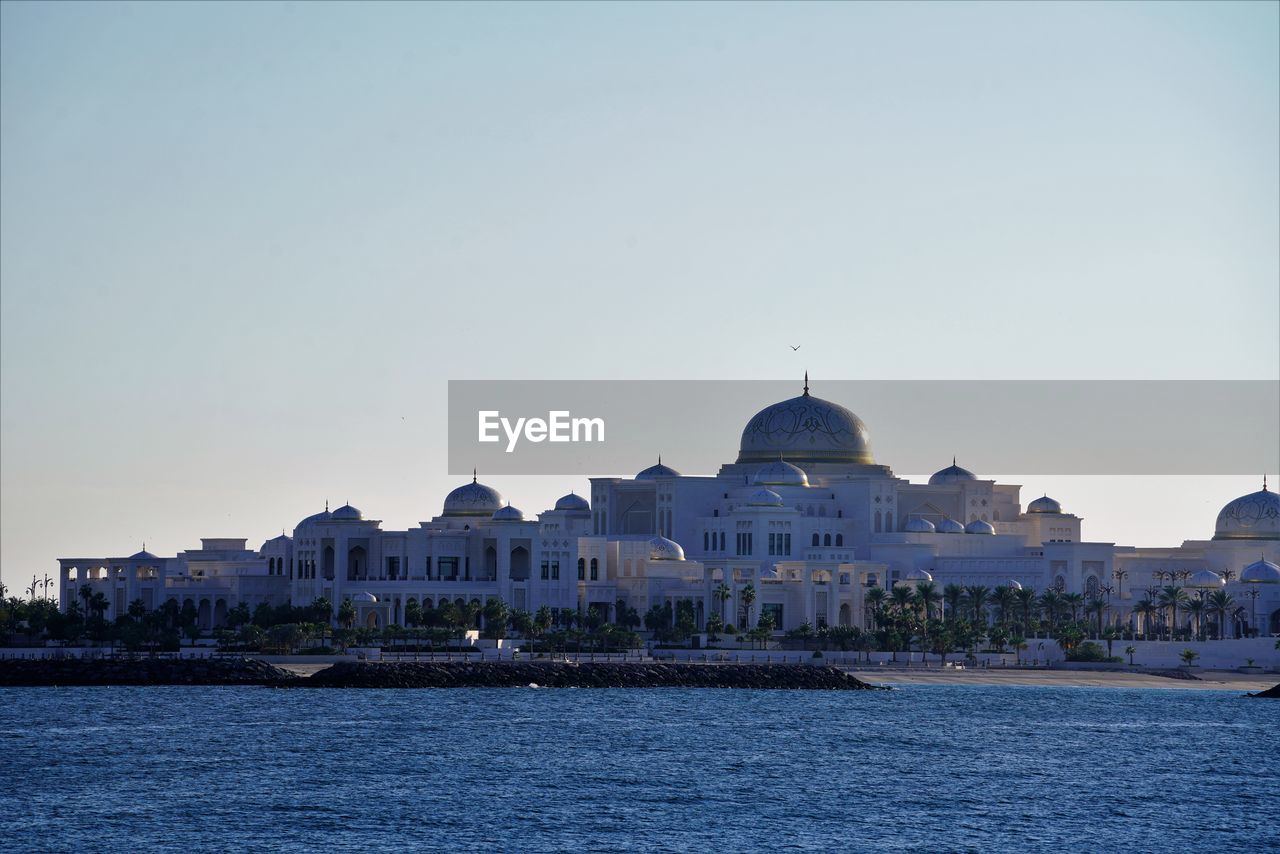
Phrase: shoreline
(1219, 680)
(312, 674)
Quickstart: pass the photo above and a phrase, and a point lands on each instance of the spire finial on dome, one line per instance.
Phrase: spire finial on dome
(473, 475)
(953, 459)
(659, 459)
(806, 383)
(1264, 481)
(326, 505)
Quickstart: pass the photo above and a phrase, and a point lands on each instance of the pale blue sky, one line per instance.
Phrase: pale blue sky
(239, 243)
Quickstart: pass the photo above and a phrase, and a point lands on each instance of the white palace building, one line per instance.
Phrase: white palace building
(805, 515)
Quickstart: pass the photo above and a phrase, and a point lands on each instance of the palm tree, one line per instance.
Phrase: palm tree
(1051, 604)
(346, 613)
(952, 594)
(1026, 601)
(747, 597)
(1129, 651)
(1220, 602)
(1144, 609)
(1098, 607)
(496, 614)
(903, 599)
(1120, 575)
(1196, 608)
(1005, 601)
(875, 602)
(86, 593)
(1073, 602)
(1173, 598)
(723, 593)
(977, 596)
(929, 597)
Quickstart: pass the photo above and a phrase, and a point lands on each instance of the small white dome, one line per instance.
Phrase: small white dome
(1014, 584)
(920, 526)
(765, 498)
(1044, 504)
(315, 519)
(950, 526)
(781, 473)
(951, 474)
(1261, 572)
(1206, 579)
(915, 576)
(977, 526)
(365, 598)
(508, 514)
(347, 513)
(660, 548)
(655, 472)
(573, 503)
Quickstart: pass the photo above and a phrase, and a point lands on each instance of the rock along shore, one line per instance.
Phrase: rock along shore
(1269, 694)
(585, 675)
(220, 670)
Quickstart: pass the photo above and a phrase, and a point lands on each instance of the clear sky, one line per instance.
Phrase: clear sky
(243, 246)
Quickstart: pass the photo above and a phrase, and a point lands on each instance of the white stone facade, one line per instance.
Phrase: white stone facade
(805, 516)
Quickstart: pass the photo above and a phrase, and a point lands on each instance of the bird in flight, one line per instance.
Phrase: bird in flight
(796, 347)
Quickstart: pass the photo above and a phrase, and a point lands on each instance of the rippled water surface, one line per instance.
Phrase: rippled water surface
(931, 767)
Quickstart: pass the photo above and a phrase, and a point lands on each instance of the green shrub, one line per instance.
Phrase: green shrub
(1088, 651)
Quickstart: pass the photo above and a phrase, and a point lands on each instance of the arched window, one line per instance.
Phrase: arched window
(839, 540)
(582, 569)
(888, 520)
(722, 541)
(705, 539)
(815, 538)
(826, 540)
(879, 522)
(595, 569)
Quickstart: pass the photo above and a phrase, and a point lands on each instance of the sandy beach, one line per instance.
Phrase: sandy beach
(1208, 680)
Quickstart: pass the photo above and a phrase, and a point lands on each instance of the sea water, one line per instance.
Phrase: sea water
(918, 768)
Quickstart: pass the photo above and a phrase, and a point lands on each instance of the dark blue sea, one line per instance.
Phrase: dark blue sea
(919, 768)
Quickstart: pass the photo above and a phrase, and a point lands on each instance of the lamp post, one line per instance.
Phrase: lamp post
(1119, 575)
(1253, 594)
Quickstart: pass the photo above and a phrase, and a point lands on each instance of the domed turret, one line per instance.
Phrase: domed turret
(660, 548)
(1255, 516)
(765, 498)
(316, 518)
(916, 576)
(347, 513)
(472, 499)
(573, 503)
(950, 526)
(1044, 504)
(655, 472)
(806, 429)
(951, 474)
(142, 555)
(1206, 579)
(780, 473)
(977, 526)
(508, 514)
(1014, 584)
(1261, 572)
(920, 526)
(365, 598)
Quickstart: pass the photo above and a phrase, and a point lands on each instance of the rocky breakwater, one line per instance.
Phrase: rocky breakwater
(221, 670)
(1269, 694)
(585, 675)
